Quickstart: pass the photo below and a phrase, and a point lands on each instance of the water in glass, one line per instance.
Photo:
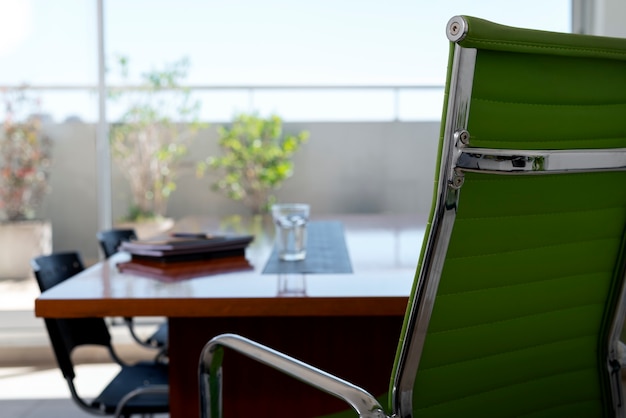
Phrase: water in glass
(290, 221)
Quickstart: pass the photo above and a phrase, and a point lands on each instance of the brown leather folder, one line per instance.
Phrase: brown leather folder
(184, 248)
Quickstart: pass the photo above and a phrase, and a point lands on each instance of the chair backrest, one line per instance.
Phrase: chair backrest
(111, 239)
(53, 269)
(67, 334)
(518, 301)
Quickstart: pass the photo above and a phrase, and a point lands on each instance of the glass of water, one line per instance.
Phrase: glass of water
(290, 220)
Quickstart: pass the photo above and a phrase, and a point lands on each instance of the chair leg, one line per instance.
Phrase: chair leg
(162, 357)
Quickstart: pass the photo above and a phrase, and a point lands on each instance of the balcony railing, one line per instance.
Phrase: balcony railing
(294, 103)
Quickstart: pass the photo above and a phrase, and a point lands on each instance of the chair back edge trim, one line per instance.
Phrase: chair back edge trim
(442, 222)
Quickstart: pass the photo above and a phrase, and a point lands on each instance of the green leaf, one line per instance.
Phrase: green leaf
(255, 159)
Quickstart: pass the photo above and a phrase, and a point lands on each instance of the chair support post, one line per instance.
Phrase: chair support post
(450, 181)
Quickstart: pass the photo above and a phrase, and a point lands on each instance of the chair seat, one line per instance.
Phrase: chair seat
(129, 378)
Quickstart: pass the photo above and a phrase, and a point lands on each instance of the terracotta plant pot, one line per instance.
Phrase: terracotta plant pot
(20, 242)
(147, 229)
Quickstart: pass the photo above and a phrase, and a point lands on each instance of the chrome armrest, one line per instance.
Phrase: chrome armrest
(211, 386)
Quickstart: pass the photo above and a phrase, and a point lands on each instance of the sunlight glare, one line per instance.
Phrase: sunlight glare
(15, 24)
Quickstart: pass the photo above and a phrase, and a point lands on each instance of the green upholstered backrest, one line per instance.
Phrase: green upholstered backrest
(534, 267)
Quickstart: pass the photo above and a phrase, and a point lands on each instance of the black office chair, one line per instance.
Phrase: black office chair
(141, 388)
(110, 241)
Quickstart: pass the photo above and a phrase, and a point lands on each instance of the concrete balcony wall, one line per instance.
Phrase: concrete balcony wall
(375, 167)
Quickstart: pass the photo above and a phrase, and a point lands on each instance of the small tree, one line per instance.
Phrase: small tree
(152, 136)
(256, 159)
(25, 154)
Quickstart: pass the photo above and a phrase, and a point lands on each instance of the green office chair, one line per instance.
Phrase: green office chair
(518, 301)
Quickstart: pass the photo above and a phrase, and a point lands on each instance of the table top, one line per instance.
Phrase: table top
(383, 249)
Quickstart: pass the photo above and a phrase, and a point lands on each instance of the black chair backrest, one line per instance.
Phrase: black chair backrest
(110, 240)
(53, 269)
(67, 334)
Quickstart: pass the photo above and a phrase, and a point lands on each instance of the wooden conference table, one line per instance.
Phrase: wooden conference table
(346, 324)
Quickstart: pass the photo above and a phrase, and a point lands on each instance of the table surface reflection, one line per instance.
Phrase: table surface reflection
(383, 250)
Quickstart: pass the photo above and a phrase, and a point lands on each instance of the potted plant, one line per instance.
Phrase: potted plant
(151, 137)
(256, 159)
(25, 157)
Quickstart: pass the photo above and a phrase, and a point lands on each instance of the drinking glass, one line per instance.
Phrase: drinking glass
(290, 220)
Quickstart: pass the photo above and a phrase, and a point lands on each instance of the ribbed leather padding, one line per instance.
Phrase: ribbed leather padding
(519, 315)
(533, 101)
(520, 322)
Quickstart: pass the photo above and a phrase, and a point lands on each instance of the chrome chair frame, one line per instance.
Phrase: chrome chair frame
(456, 159)
(211, 383)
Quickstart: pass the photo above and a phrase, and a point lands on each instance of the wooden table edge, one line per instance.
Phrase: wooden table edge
(207, 308)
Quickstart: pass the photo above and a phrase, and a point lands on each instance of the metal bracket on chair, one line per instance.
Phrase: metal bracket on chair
(457, 179)
(461, 140)
(508, 161)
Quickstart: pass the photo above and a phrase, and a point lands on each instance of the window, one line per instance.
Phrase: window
(246, 43)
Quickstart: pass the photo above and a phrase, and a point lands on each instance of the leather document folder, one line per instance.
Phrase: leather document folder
(191, 247)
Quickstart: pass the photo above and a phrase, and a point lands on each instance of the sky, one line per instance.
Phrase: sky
(247, 42)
